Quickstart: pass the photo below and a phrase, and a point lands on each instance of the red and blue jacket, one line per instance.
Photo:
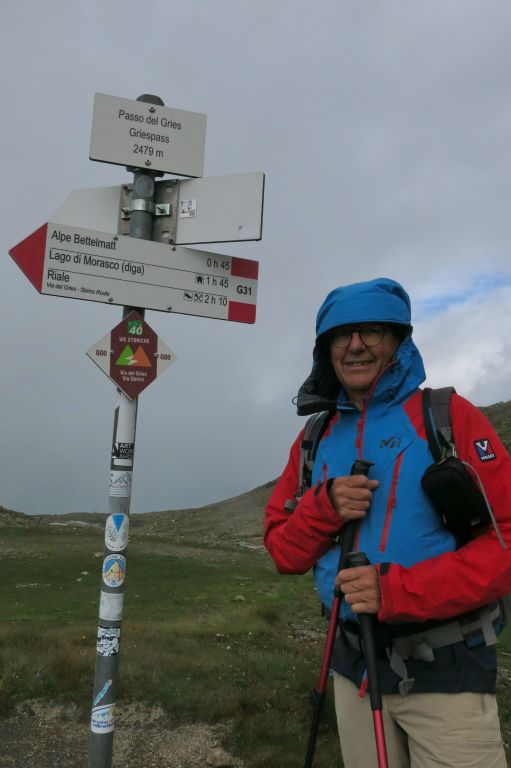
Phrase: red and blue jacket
(423, 575)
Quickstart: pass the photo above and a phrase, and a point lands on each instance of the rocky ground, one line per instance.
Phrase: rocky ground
(38, 735)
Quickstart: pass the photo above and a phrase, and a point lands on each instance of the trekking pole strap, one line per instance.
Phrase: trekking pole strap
(437, 420)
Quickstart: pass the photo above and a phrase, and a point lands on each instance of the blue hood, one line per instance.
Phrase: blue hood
(380, 300)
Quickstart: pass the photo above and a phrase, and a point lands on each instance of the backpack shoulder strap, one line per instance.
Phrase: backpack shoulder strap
(312, 434)
(437, 421)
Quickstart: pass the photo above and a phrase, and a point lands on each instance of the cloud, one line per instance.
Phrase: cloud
(383, 130)
(474, 289)
(467, 347)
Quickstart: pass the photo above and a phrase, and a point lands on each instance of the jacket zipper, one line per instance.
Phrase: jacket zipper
(323, 481)
(361, 422)
(358, 439)
(391, 501)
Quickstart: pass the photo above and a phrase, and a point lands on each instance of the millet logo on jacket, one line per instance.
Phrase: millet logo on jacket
(390, 442)
(484, 450)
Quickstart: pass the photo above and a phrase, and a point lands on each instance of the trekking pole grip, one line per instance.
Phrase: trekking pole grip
(349, 530)
(361, 467)
(367, 623)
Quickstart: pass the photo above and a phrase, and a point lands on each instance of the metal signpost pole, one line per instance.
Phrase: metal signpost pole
(116, 529)
(74, 256)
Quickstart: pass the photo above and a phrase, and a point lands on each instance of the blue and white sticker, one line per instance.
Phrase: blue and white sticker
(114, 570)
(120, 483)
(107, 643)
(484, 450)
(110, 606)
(116, 532)
(103, 719)
(102, 693)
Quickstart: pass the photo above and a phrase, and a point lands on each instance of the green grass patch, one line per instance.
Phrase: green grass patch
(210, 634)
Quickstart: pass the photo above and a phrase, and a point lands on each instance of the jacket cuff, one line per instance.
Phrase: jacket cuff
(324, 506)
(387, 573)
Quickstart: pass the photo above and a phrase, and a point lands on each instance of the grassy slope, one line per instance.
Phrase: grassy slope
(209, 630)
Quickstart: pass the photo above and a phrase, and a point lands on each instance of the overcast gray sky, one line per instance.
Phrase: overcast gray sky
(383, 129)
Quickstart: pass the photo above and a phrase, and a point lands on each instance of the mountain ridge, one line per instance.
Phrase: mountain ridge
(243, 513)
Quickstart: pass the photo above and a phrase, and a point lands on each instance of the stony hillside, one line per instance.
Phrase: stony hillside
(500, 416)
(241, 516)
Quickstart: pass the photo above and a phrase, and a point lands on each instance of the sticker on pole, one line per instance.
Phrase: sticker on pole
(114, 570)
(120, 483)
(132, 355)
(103, 692)
(107, 643)
(122, 454)
(116, 532)
(110, 606)
(103, 719)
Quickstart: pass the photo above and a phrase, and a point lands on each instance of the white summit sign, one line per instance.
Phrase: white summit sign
(143, 135)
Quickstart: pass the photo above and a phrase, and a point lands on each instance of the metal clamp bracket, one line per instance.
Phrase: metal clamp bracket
(165, 204)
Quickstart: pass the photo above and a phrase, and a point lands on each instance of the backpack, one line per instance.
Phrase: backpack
(455, 490)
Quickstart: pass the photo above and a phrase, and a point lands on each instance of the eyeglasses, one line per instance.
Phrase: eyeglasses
(371, 335)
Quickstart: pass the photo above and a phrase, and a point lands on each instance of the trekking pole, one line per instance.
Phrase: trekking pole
(367, 628)
(349, 531)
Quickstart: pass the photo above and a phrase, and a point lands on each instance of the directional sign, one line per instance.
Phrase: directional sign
(220, 209)
(217, 209)
(132, 355)
(142, 135)
(97, 266)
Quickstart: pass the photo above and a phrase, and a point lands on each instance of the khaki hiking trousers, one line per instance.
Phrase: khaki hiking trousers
(422, 730)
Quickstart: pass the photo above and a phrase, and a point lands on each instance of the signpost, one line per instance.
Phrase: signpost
(123, 246)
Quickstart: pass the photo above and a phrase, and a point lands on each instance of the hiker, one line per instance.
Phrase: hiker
(435, 594)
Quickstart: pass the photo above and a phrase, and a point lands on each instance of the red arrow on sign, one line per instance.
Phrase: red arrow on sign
(76, 263)
(29, 256)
